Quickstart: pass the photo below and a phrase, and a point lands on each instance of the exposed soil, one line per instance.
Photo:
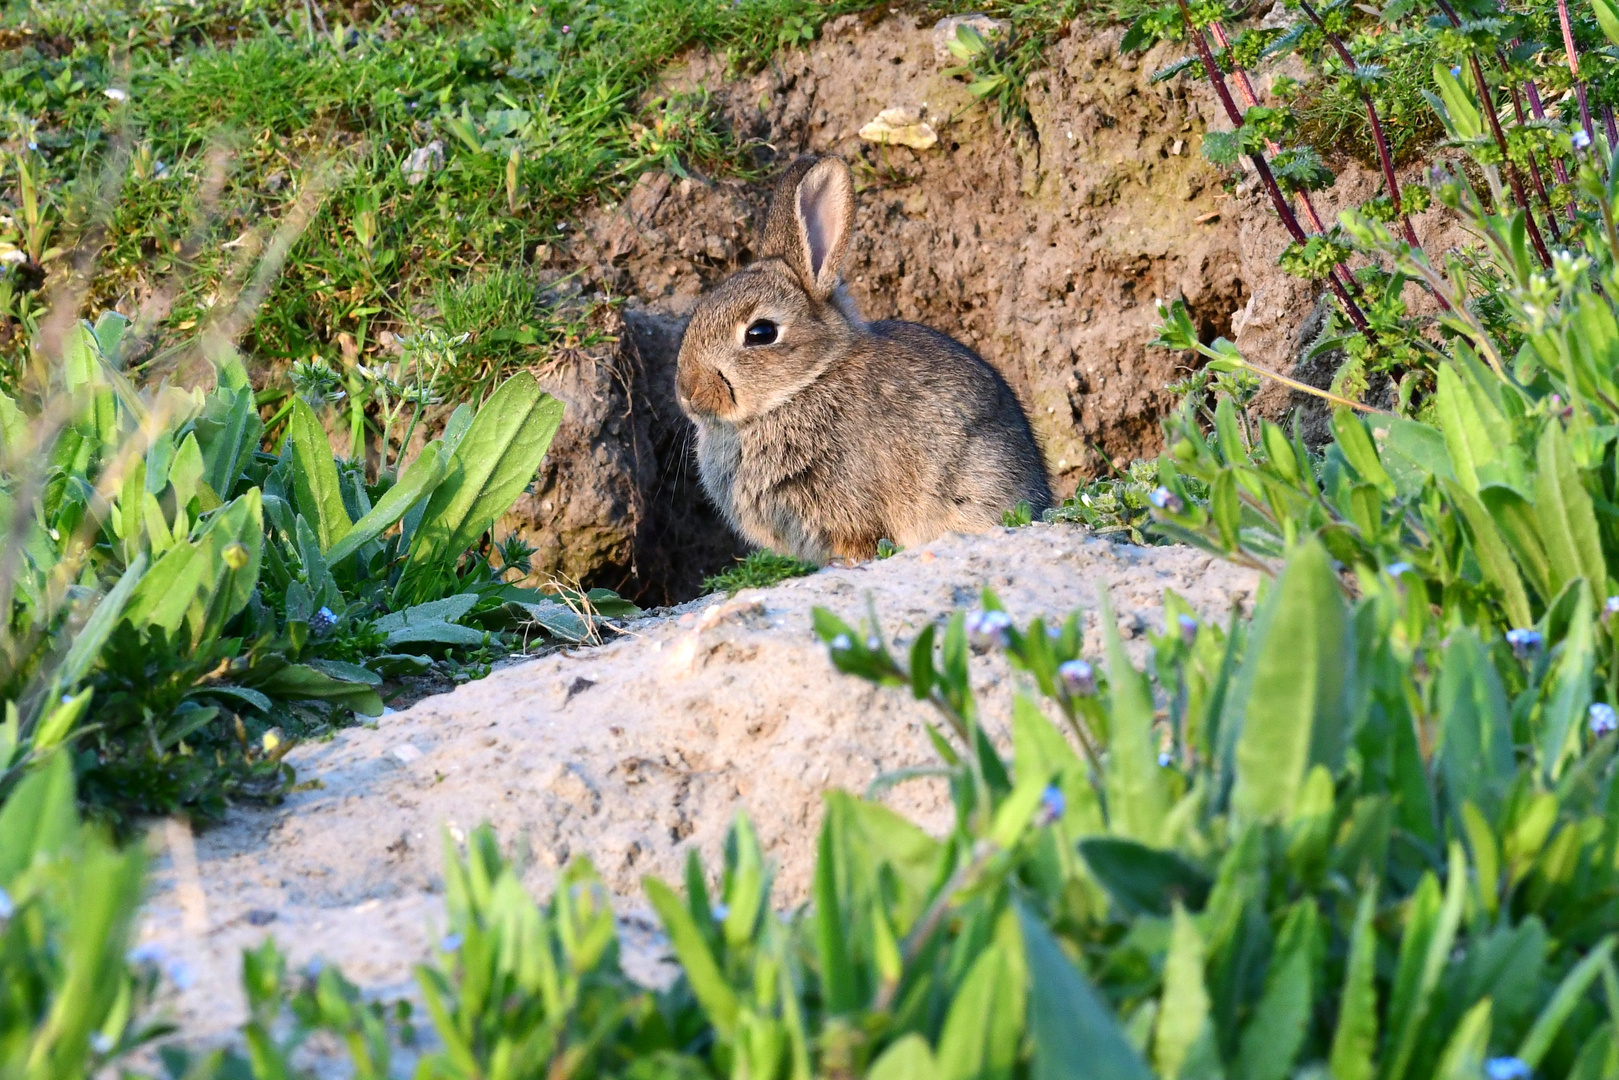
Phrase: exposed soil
(631, 755)
(1045, 250)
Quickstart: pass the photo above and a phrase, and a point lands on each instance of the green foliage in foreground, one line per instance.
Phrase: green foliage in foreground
(757, 570)
(1328, 858)
(178, 596)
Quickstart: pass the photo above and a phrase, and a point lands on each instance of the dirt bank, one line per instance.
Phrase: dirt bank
(1043, 248)
(630, 755)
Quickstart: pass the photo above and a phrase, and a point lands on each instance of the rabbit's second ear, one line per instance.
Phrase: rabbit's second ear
(824, 209)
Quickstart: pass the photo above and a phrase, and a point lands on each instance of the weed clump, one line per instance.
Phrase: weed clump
(757, 570)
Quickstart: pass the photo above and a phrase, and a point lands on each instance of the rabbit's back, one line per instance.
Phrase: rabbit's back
(907, 435)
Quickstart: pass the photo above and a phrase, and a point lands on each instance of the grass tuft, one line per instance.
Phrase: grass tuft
(757, 570)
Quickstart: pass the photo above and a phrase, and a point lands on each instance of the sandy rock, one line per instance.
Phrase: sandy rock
(901, 125)
(630, 754)
(422, 162)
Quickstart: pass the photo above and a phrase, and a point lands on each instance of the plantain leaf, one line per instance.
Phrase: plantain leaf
(1074, 1033)
(1468, 1046)
(1563, 1002)
(1144, 880)
(1295, 712)
(1475, 748)
(1570, 694)
(1568, 525)
(315, 487)
(1355, 1039)
(420, 478)
(1184, 1027)
(713, 993)
(984, 1026)
(1493, 554)
(1275, 1033)
(488, 469)
(1136, 798)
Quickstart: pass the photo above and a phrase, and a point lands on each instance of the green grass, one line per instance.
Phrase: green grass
(757, 570)
(236, 109)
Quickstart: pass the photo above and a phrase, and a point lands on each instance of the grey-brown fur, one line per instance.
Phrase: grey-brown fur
(842, 432)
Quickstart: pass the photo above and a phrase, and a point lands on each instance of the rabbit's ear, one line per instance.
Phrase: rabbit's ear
(825, 212)
(811, 218)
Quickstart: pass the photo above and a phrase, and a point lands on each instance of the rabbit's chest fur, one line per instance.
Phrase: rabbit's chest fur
(863, 454)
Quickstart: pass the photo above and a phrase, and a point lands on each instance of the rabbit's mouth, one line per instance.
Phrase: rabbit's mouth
(705, 392)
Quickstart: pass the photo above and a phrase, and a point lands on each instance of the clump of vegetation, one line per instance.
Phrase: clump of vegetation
(757, 570)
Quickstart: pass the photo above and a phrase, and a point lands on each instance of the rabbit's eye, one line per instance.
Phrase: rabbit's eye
(760, 332)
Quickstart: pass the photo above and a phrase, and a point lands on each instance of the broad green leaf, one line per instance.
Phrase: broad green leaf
(1460, 112)
(907, 1059)
(448, 609)
(1519, 526)
(1568, 526)
(195, 583)
(1072, 1028)
(1295, 708)
(300, 681)
(831, 937)
(13, 424)
(1424, 952)
(1486, 856)
(419, 479)
(1144, 880)
(315, 487)
(228, 436)
(434, 633)
(1563, 1002)
(715, 995)
(1608, 18)
(1183, 1010)
(489, 468)
(984, 1026)
(60, 721)
(1475, 748)
(1039, 747)
(92, 636)
(185, 473)
(1354, 1041)
(1565, 708)
(38, 818)
(1412, 453)
(1494, 557)
(1467, 1047)
(1275, 1033)
(1137, 801)
(1359, 451)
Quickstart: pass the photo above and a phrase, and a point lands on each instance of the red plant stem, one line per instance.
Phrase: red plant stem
(1251, 99)
(1573, 67)
(1384, 158)
(1607, 120)
(1513, 178)
(1539, 112)
(1534, 166)
(1217, 79)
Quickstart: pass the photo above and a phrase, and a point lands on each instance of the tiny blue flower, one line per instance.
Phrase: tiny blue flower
(719, 911)
(1164, 759)
(180, 974)
(322, 621)
(67, 698)
(1603, 719)
(1507, 1068)
(1523, 642)
(149, 953)
(313, 969)
(1052, 805)
(1399, 569)
(6, 906)
(1188, 627)
(1611, 608)
(1164, 499)
(1078, 678)
(1581, 140)
(873, 643)
(451, 943)
(100, 1043)
(841, 643)
(988, 628)
(1456, 71)
(1054, 633)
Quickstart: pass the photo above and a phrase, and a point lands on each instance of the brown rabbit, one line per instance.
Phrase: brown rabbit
(819, 433)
